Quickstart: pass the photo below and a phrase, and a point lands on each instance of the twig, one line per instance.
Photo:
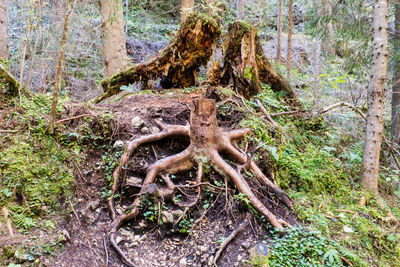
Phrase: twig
(346, 261)
(266, 113)
(106, 251)
(9, 226)
(76, 215)
(9, 131)
(232, 236)
(287, 113)
(73, 118)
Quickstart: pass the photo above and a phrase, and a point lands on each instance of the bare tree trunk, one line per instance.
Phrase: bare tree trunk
(330, 41)
(376, 97)
(279, 49)
(187, 6)
(59, 67)
(289, 48)
(4, 42)
(395, 127)
(317, 62)
(114, 41)
(240, 9)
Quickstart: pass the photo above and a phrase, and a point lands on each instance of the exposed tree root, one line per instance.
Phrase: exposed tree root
(206, 142)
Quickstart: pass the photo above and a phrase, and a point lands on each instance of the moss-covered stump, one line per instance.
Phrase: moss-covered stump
(245, 64)
(177, 64)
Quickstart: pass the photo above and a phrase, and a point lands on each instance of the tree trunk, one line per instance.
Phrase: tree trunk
(245, 64)
(59, 68)
(317, 62)
(114, 41)
(289, 48)
(279, 49)
(376, 97)
(330, 40)
(187, 6)
(240, 9)
(395, 125)
(4, 42)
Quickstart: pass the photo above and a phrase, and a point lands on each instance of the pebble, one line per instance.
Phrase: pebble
(137, 122)
(145, 130)
(183, 262)
(154, 130)
(245, 244)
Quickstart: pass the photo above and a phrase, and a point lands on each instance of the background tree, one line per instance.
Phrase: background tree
(279, 49)
(4, 43)
(289, 48)
(114, 40)
(395, 125)
(329, 40)
(240, 9)
(376, 98)
(59, 67)
(187, 6)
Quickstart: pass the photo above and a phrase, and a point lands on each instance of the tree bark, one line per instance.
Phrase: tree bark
(114, 41)
(376, 97)
(330, 40)
(289, 48)
(187, 6)
(59, 68)
(279, 49)
(4, 41)
(395, 125)
(240, 9)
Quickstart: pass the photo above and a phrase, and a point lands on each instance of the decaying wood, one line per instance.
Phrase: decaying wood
(8, 221)
(245, 64)
(9, 78)
(177, 64)
(207, 141)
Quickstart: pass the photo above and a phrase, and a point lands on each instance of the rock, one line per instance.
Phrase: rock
(118, 144)
(167, 217)
(347, 229)
(92, 205)
(63, 237)
(137, 122)
(20, 256)
(119, 211)
(210, 261)
(203, 249)
(145, 130)
(245, 244)
(134, 181)
(118, 239)
(154, 130)
(125, 232)
(183, 262)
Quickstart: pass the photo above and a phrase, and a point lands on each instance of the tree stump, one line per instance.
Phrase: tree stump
(177, 64)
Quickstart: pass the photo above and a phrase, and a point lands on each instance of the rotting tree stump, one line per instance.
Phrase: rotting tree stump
(177, 64)
(207, 141)
(245, 64)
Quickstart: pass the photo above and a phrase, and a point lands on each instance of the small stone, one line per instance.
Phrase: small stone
(125, 232)
(246, 245)
(63, 237)
(119, 211)
(347, 229)
(20, 256)
(210, 261)
(136, 122)
(134, 181)
(154, 130)
(183, 262)
(145, 130)
(118, 144)
(167, 217)
(239, 258)
(118, 239)
(93, 204)
(203, 249)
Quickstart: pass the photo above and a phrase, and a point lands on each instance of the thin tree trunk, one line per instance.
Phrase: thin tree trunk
(317, 62)
(114, 40)
(330, 41)
(376, 97)
(187, 6)
(395, 127)
(59, 67)
(4, 41)
(279, 49)
(289, 48)
(240, 9)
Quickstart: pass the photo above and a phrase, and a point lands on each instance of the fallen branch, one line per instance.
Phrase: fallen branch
(266, 113)
(232, 236)
(74, 118)
(73, 210)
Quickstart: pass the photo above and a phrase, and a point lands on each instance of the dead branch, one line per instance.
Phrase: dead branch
(266, 113)
(8, 221)
(232, 236)
(73, 210)
(74, 118)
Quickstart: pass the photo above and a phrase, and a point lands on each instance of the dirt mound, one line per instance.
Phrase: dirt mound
(147, 243)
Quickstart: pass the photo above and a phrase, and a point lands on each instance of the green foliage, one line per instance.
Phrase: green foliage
(300, 247)
(34, 172)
